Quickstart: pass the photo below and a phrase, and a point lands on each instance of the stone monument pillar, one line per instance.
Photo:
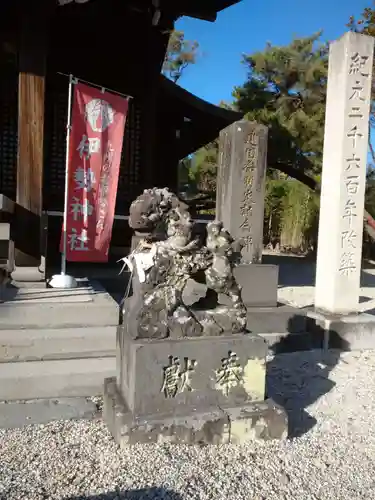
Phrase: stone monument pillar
(240, 185)
(240, 193)
(338, 270)
(344, 174)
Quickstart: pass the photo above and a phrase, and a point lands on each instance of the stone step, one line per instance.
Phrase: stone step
(31, 344)
(40, 307)
(283, 325)
(17, 414)
(282, 319)
(55, 379)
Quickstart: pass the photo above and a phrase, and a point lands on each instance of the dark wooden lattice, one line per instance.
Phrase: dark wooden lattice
(8, 124)
(55, 142)
(130, 167)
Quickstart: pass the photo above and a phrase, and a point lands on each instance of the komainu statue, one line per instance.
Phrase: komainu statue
(167, 267)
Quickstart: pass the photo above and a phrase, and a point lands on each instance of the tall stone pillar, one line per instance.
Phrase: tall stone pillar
(240, 206)
(344, 174)
(240, 185)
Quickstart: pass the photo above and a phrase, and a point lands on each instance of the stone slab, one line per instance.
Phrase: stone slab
(6, 204)
(29, 275)
(4, 231)
(85, 292)
(50, 308)
(35, 412)
(343, 181)
(57, 343)
(259, 284)
(284, 328)
(54, 379)
(350, 332)
(143, 366)
(213, 425)
(241, 177)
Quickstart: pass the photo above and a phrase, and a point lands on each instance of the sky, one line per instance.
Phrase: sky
(246, 28)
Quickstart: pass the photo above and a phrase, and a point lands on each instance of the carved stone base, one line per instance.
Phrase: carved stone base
(208, 425)
(191, 390)
(161, 376)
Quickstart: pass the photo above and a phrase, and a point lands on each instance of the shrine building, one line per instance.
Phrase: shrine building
(117, 44)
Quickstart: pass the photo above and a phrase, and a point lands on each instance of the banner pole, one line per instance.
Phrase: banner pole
(62, 280)
(66, 200)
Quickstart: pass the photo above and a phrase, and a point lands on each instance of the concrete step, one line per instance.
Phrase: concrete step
(57, 343)
(39, 307)
(100, 341)
(55, 379)
(17, 414)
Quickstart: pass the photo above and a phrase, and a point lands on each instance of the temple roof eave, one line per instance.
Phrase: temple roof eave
(199, 121)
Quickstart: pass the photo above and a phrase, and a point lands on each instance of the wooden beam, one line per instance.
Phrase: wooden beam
(31, 95)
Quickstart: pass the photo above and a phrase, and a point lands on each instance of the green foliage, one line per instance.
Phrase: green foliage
(286, 90)
(203, 170)
(276, 190)
(180, 54)
(291, 214)
(184, 167)
(300, 217)
(366, 23)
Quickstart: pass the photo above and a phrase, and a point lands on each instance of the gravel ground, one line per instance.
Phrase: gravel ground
(297, 279)
(331, 455)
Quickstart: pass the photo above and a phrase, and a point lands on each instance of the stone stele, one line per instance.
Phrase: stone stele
(240, 195)
(187, 369)
(340, 238)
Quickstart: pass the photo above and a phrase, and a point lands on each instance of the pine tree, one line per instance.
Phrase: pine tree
(286, 90)
(180, 54)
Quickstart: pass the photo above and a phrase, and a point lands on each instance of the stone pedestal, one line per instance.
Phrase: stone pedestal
(259, 284)
(348, 333)
(193, 390)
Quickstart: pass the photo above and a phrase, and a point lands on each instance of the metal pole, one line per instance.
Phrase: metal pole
(68, 130)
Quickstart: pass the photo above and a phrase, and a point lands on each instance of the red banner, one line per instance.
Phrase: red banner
(98, 122)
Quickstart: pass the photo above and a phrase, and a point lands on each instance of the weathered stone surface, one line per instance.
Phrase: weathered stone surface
(186, 367)
(339, 254)
(193, 292)
(349, 332)
(213, 425)
(241, 183)
(258, 283)
(215, 371)
(162, 269)
(147, 211)
(62, 378)
(87, 305)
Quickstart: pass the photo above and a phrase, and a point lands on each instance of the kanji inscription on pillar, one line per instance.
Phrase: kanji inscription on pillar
(241, 184)
(344, 174)
(359, 81)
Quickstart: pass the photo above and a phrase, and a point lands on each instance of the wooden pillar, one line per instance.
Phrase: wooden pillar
(155, 51)
(31, 96)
